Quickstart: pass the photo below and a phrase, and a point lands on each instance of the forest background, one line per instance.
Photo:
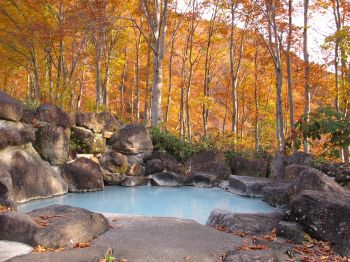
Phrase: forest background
(234, 72)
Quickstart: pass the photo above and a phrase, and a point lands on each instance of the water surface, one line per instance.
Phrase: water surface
(182, 202)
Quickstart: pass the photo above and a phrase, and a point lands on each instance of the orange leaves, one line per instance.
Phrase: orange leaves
(44, 220)
(223, 228)
(6, 209)
(82, 245)
(41, 249)
(254, 247)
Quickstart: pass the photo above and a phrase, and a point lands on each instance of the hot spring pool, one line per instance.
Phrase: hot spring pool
(183, 202)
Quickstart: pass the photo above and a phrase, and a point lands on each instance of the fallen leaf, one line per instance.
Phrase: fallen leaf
(254, 247)
(82, 245)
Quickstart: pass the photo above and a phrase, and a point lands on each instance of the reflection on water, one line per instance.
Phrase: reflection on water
(184, 202)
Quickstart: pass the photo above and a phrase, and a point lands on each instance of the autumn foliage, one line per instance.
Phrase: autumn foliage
(217, 74)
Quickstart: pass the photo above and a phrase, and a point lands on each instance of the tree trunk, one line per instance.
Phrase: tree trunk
(170, 83)
(122, 86)
(307, 69)
(289, 75)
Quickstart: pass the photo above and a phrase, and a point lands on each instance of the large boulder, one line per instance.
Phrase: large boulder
(325, 216)
(131, 181)
(313, 179)
(82, 175)
(132, 140)
(136, 170)
(293, 171)
(52, 143)
(29, 116)
(276, 194)
(65, 226)
(6, 190)
(254, 224)
(166, 179)
(54, 115)
(210, 162)
(280, 162)
(85, 141)
(97, 122)
(16, 226)
(10, 109)
(154, 166)
(113, 178)
(241, 166)
(114, 162)
(15, 134)
(201, 180)
(339, 171)
(32, 178)
(248, 185)
(169, 161)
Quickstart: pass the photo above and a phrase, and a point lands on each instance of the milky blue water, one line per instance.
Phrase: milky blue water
(183, 202)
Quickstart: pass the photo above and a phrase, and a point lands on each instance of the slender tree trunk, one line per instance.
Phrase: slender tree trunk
(147, 107)
(256, 99)
(137, 73)
(226, 108)
(307, 69)
(289, 75)
(232, 70)
(122, 86)
(170, 83)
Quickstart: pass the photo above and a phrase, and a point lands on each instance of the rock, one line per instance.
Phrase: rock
(132, 140)
(210, 162)
(10, 109)
(248, 185)
(136, 170)
(136, 159)
(325, 216)
(154, 166)
(86, 141)
(166, 179)
(135, 181)
(15, 134)
(32, 178)
(28, 116)
(52, 143)
(339, 171)
(280, 162)
(313, 179)
(13, 249)
(67, 226)
(254, 224)
(97, 122)
(293, 171)
(241, 166)
(114, 162)
(291, 231)
(276, 194)
(6, 190)
(82, 175)
(16, 226)
(201, 180)
(54, 115)
(113, 178)
(170, 162)
(223, 184)
(251, 256)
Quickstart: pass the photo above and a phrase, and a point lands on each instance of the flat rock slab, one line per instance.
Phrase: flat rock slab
(248, 185)
(149, 239)
(9, 249)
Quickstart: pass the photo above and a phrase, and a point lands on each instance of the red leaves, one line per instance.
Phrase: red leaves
(223, 228)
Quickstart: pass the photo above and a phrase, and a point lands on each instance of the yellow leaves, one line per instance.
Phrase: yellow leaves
(254, 247)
